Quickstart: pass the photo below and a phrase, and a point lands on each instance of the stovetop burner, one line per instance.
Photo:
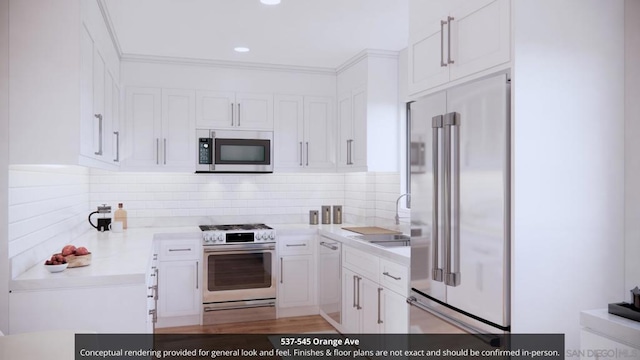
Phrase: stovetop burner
(236, 227)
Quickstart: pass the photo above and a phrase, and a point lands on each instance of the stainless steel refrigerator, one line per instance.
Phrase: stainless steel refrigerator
(460, 209)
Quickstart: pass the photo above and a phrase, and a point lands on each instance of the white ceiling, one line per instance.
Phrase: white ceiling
(310, 33)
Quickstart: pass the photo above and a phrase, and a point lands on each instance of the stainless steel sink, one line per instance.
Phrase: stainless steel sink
(387, 240)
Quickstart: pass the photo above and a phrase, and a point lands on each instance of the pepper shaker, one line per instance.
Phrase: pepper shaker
(337, 214)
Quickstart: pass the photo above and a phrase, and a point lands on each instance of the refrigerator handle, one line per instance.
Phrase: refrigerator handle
(490, 339)
(452, 192)
(436, 271)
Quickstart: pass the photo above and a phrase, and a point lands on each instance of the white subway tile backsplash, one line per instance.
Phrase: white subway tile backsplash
(49, 205)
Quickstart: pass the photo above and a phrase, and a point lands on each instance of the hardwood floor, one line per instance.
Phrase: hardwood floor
(292, 325)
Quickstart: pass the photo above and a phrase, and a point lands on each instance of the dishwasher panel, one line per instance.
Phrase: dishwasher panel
(330, 279)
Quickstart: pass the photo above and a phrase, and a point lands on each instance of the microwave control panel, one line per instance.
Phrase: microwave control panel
(205, 151)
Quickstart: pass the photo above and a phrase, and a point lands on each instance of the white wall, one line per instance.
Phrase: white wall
(632, 145)
(48, 207)
(4, 163)
(568, 148)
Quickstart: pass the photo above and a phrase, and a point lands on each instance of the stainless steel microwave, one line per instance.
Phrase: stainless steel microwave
(229, 151)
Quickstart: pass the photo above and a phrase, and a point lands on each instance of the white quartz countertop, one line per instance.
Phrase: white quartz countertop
(123, 258)
(614, 326)
(401, 255)
(116, 259)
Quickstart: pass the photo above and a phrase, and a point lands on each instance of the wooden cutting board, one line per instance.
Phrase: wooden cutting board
(371, 230)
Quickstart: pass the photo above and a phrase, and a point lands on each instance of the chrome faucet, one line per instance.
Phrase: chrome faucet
(397, 203)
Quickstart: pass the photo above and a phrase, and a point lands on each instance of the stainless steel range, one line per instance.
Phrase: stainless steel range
(239, 273)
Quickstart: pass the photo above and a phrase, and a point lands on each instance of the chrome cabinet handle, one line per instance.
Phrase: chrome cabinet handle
(330, 246)
(238, 114)
(391, 276)
(300, 153)
(184, 249)
(197, 275)
(350, 152)
(442, 24)
(359, 307)
(99, 117)
(355, 305)
(231, 114)
(452, 277)
(281, 271)
(157, 151)
(449, 59)
(164, 149)
(295, 245)
(379, 305)
(117, 134)
(307, 153)
(436, 271)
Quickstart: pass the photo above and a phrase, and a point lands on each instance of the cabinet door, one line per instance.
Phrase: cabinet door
(178, 128)
(289, 132)
(319, 133)
(254, 111)
(480, 37)
(98, 104)
(143, 127)
(426, 54)
(345, 129)
(116, 133)
(297, 281)
(87, 118)
(359, 143)
(108, 119)
(394, 312)
(371, 306)
(215, 110)
(178, 288)
(350, 311)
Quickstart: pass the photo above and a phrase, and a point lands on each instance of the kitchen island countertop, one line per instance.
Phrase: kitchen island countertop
(116, 259)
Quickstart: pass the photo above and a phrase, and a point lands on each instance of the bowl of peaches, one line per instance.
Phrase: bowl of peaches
(70, 257)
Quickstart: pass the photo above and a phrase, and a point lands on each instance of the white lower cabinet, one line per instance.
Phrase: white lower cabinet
(368, 306)
(179, 283)
(297, 275)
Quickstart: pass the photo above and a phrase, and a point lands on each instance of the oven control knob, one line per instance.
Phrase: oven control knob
(272, 236)
(259, 236)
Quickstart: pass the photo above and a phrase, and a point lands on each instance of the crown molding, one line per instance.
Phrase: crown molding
(367, 53)
(112, 33)
(226, 64)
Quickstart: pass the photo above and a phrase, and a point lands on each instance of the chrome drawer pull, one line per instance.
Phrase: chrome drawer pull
(172, 250)
(391, 276)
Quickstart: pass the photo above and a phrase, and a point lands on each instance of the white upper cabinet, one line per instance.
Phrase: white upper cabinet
(368, 114)
(160, 126)
(61, 77)
(229, 110)
(449, 41)
(304, 133)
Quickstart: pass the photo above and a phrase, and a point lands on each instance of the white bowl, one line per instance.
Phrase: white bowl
(56, 268)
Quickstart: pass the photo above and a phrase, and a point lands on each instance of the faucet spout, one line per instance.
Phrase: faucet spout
(397, 204)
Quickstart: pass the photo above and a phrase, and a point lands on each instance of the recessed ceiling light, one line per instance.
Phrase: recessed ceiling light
(241, 49)
(270, 2)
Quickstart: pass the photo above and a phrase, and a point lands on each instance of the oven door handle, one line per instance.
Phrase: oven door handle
(211, 309)
(239, 250)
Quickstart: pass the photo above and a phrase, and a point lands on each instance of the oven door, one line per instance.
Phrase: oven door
(239, 272)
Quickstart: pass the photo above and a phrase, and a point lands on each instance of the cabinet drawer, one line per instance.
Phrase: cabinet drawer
(361, 262)
(180, 249)
(296, 244)
(394, 277)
